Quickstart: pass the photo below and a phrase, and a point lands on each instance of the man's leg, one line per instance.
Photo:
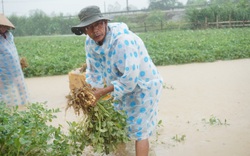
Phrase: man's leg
(142, 147)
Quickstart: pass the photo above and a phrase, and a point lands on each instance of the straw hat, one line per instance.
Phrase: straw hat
(87, 16)
(4, 21)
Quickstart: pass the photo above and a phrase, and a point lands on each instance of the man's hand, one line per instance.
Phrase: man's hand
(99, 92)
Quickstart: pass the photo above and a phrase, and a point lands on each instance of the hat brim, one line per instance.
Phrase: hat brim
(77, 29)
(5, 22)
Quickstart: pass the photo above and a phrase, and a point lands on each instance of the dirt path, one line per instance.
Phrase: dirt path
(193, 92)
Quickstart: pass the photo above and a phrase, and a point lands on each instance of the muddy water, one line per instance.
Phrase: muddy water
(193, 94)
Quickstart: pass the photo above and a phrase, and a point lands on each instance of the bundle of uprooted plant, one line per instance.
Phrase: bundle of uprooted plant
(81, 99)
(23, 62)
(101, 127)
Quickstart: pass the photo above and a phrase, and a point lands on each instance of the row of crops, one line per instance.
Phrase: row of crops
(56, 55)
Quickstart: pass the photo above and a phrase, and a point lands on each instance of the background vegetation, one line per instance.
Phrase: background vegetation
(38, 23)
(55, 55)
(229, 10)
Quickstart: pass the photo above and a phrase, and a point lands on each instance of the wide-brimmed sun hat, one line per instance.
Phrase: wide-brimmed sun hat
(4, 21)
(88, 16)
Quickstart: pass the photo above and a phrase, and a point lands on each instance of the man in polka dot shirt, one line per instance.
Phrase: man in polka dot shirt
(117, 56)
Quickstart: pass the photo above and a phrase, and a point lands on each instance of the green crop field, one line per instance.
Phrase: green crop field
(57, 55)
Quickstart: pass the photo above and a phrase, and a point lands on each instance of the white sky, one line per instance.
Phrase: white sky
(23, 7)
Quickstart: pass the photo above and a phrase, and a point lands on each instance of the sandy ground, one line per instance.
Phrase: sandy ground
(192, 93)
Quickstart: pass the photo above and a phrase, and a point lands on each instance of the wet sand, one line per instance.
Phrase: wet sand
(192, 93)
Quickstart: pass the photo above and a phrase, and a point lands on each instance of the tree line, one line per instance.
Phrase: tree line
(222, 10)
(39, 23)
